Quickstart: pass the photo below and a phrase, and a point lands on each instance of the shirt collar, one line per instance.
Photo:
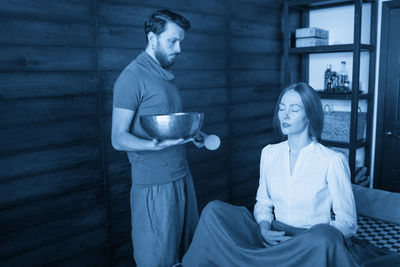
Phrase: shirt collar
(306, 148)
(147, 61)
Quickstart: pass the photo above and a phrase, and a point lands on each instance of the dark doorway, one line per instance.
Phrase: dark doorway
(387, 163)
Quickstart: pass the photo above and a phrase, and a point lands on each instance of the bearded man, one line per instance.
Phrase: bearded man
(164, 211)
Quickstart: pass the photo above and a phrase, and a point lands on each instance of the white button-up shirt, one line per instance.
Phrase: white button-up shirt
(320, 182)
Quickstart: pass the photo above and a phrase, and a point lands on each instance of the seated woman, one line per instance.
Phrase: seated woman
(305, 209)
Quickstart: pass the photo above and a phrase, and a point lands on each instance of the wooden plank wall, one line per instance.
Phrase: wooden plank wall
(64, 192)
(52, 200)
(254, 84)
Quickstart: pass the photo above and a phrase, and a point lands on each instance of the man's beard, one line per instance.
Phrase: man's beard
(162, 58)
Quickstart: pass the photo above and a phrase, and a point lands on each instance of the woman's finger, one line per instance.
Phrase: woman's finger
(266, 244)
(275, 233)
(283, 238)
(272, 242)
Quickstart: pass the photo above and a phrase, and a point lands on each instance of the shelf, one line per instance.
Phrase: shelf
(329, 49)
(296, 14)
(307, 4)
(360, 143)
(343, 96)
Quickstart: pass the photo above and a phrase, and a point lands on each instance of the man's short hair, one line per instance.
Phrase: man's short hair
(157, 21)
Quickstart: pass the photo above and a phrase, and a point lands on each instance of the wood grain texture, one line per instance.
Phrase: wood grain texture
(254, 93)
(254, 77)
(97, 256)
(52, 231)
(58, 10)
(118, 190)
(242, 191)
(255, 45)
(245, 28)
(252, 110)
(32, 111)
(121, 228)
(62, 248)
(17, 85)
(124, 262)
(254, 61)
(120, 208)
(271, 4)
(257, 140)
(253, 125)
(246, 157)
(16, 217)
(206, 6)
(13, 139)
(257, 13)
(47, 160)
(120, 169)
(214, 182)
(122, 254)
(246, 173)
(31, 31)
(48, 185)
(35, 58)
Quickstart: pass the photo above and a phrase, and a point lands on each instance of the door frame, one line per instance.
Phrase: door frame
(386, 6)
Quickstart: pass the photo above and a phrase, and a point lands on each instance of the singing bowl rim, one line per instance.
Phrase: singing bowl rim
(175, 114)
(152, 118)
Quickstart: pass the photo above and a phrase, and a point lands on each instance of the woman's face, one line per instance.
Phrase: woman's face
(291, 114)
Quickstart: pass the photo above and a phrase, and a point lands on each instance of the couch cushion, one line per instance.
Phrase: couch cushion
(378, 204)
(379, 233)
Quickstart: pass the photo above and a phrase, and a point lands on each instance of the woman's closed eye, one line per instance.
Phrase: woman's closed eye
(295, 108)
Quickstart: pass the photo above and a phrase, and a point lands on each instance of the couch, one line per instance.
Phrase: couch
(378, 214)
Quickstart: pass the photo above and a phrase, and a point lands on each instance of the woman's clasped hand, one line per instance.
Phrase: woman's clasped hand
(271, 237)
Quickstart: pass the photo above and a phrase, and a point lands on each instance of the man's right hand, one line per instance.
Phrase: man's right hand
(161, 144)
(271, 237)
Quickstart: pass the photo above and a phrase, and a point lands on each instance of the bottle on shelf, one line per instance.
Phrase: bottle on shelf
(347, 86)
(327, 76)
(334, 82)
(343, 78)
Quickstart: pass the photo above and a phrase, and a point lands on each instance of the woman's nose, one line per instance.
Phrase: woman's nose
(286, 115)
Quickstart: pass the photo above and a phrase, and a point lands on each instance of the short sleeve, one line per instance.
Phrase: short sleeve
(127, 91)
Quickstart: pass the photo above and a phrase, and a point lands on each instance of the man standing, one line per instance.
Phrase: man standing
(163, 203)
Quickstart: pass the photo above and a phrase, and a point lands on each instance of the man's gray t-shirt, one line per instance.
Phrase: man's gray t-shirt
(147, 89)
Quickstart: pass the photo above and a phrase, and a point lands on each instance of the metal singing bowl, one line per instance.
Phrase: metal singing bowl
(173, 125)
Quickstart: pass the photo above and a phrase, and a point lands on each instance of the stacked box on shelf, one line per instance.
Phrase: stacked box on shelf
(311, 36)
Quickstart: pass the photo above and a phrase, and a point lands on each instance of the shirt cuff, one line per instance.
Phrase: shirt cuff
(347, 231)
(263, 217)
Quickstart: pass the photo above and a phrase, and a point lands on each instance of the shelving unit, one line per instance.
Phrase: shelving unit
(300, 10)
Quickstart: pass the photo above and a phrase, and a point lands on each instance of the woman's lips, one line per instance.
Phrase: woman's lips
(285, 125)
